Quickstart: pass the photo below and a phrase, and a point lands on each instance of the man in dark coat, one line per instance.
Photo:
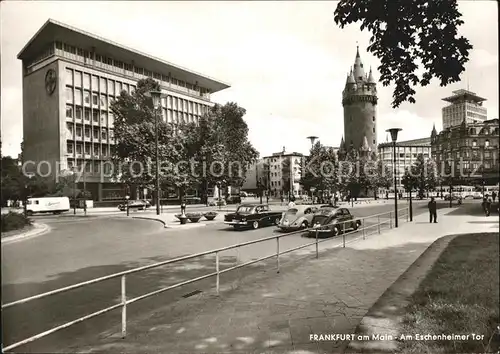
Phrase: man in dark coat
(432, 210)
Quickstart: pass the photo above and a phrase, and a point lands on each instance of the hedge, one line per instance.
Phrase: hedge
(14, 221)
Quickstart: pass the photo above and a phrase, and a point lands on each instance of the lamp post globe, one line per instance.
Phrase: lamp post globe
(394, 137)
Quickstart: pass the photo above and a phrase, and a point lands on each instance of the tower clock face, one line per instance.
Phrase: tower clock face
(50, 81)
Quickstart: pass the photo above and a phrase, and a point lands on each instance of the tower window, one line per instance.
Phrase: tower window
(374, 141)
(373, 119)
(374, 129)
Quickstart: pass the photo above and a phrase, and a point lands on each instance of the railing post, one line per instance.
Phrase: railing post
(390, 220)
(124, 306)
(343, 233)
(217, 277)
(407, 215)
(278, 253)
(317, 253)
(378, 223)
(363, 227)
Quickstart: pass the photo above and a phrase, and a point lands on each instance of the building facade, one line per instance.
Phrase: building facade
(406, 155)
(466, 105)
(70, 79)
(359, 100)
(469, 150)
(274, 168)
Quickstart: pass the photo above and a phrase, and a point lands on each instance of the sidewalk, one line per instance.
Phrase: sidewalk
(278, 313)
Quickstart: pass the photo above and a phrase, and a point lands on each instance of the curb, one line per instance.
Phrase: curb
(384, 317)
(38, 230)
(171, 226)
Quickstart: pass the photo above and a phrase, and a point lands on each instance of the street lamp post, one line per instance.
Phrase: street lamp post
(156, 98)
(394, 136)
(127, 197)
(312, 138)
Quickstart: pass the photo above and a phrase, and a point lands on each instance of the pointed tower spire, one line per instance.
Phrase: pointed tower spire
(342, 144)
(371, 80)
(359, 72)
(365, 146)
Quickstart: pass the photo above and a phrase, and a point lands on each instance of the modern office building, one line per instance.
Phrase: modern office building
(70, 79)
(470, 149)
(406, 155)
(464, 104)
(359, 100)
(277, 166)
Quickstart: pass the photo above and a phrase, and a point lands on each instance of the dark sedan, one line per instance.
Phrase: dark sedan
(332, 221)
(135, 204)
(253, 215)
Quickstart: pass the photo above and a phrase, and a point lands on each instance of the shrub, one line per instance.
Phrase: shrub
(14, 221)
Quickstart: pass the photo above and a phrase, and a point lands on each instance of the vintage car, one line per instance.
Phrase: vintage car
(135, 204)
(297, 217)
(233, 199)
(331, 221)
(253, 215)
(217, 202)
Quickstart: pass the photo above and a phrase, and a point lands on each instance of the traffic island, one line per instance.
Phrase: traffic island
(34, 230)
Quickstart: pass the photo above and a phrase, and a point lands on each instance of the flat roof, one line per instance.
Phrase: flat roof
(460, 95)
(53, 31)
(414, 142)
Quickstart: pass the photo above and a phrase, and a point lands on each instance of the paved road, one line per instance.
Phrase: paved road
(86, 248)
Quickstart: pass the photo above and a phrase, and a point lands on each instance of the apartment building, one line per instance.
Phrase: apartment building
(70, 79)
(466, 105)
(406, 155)
(470, 149)
(277, 166)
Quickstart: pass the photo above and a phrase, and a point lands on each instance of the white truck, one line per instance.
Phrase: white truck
(54, 205)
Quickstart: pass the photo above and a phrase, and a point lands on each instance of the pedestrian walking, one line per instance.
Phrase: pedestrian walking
(282, 200)
(493, 196)
(488, 206)
(183, 206)
(387, 195)
(432, 210)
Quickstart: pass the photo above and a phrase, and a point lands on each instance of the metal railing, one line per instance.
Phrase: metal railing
(123, 275)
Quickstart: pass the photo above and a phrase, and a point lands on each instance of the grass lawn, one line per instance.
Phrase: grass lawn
(460, 295)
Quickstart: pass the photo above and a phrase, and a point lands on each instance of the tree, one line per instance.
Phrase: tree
(220, 139)
(421, 175)
(134, 155)
(410, 35)
(320, 170)
(12, 181)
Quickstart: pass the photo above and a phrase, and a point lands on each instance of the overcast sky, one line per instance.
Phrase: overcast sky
(286, 61)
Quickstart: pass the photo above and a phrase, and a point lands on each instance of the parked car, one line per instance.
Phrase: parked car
(135, 204)
(253, 215)
(297, 217)
(453, 197)
(217, 202)
(193, 200)
(233, 199)
(331, 221)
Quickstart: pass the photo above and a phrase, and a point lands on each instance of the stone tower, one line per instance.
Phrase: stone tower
(359, 99)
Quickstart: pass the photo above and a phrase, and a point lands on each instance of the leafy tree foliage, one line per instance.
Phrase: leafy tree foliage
(190, 155)
(408, 36)
(12, 180)
(422, 175)
(135, 134)
(320, 169)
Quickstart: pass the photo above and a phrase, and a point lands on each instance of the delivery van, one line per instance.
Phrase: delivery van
(54, 205)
